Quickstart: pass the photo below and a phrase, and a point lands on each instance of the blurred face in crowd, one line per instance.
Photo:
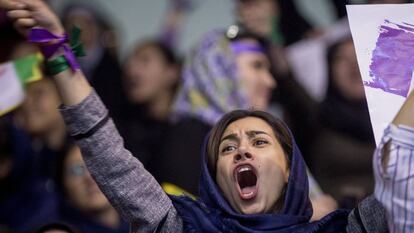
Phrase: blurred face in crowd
(39, 113)
(85, 20)
(345, 71)
(81, 190)
(254, 71)
(252, 168)
(257, 15)
(148, 75)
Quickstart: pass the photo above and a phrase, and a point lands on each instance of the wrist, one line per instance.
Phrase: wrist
(59, 52)
(56, 50)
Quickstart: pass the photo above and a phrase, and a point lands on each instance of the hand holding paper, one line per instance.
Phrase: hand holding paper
(406, 114)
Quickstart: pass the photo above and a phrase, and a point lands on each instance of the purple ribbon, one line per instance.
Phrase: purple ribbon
(44, 37)
(240, 47)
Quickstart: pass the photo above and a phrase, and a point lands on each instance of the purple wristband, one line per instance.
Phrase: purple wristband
(43, 36)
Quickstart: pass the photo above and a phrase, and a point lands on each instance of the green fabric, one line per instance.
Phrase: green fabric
(75, 43)
(28, 68)
(60, 63)
(57, 65)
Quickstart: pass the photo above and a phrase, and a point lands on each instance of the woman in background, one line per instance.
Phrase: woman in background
(83, 205)
(151, 77)
(340, 152)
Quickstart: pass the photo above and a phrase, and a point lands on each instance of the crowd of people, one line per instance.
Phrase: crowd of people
(64, 166)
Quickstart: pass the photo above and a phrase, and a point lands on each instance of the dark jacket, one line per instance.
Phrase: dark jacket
(27, 197)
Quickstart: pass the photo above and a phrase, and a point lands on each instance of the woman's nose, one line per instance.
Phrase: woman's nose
(242, 155)
(270, 81)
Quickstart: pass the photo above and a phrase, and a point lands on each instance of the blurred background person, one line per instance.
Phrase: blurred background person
(83, 205)
(152, 75)
(280, 24)
(39, 117)
(343, 143)
(278, 20)
(100, 41)
(27, 197)
(35, 132)
(174, 22)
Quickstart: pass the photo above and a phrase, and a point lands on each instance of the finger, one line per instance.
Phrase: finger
(18, 14)
(25, 23)
(32, 4)
(11, 5)
(23, 31)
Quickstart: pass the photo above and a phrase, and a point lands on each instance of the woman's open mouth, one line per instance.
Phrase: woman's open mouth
(246, 179)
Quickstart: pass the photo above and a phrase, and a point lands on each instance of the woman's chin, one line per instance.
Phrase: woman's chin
(252, 208)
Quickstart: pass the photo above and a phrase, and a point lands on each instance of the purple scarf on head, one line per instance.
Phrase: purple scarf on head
(211, 86)
(212, 213)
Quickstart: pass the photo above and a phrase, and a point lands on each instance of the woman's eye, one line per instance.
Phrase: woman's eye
(260, 142)
(228, 149)
(258, 65)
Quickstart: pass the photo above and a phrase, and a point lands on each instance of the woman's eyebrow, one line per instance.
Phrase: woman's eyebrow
(253, 133)
(250, 134)
(232, 136)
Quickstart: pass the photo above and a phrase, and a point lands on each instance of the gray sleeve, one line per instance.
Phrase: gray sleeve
(121, 177)
(368, 217)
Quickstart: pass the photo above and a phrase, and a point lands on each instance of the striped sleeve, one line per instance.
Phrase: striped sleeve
(394, 177)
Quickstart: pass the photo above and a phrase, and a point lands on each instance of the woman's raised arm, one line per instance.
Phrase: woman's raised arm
(406, 114)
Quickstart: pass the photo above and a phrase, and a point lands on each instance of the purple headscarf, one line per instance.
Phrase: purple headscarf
(211, 86)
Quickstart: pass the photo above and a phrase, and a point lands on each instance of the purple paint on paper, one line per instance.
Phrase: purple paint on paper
(392, 62)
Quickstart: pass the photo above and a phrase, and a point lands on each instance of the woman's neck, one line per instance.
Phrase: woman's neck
(55, 136)
(160, 107)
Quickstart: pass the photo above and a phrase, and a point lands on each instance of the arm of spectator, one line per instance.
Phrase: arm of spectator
(174, 21)
(123, 179)
(130, 188)
(394, 170)
(368, 216)
(406, 114)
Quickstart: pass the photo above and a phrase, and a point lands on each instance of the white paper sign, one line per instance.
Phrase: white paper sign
(384, 41)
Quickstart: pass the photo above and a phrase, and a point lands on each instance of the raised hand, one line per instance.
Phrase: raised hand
(32, 13)
(72, 86)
